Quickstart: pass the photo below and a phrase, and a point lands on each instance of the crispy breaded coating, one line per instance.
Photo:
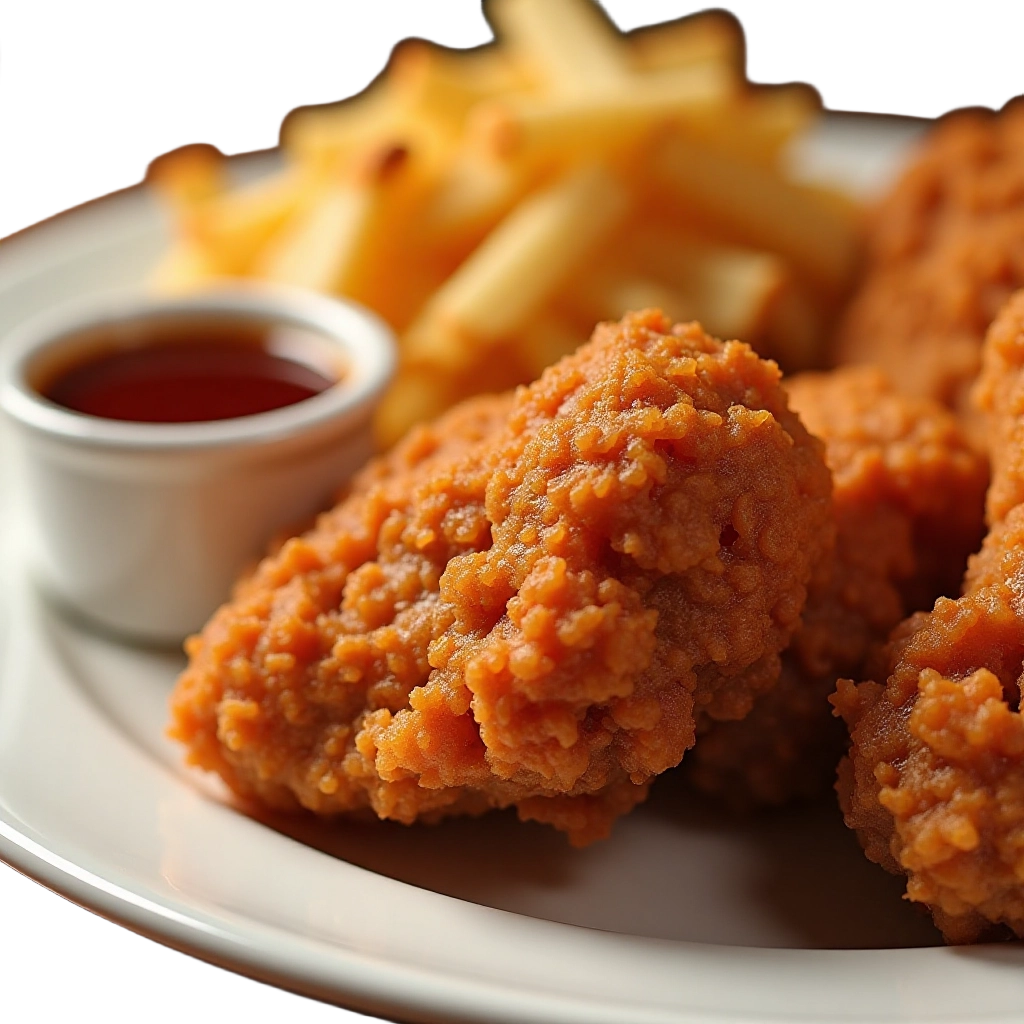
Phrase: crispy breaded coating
(908, 496)
(894, 458)
(999, 397)
(536, 616)
(945, 252)
(934, 784)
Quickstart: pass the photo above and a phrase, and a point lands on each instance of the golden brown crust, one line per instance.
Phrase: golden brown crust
(908, 498)
(909, 490)
(999, 395)
(541, 614)
(934, 784)
(944, 256)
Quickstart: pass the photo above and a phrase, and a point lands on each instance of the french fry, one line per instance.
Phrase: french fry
(484, 71)
(320, 135)
(570, 45)
(445, 84)
(714, 37)
(432, 342)
(237, 224)
(415, 395)
(620, 296)
(400, 264)
(185, 267)
(736, 291)
(843, 206)
(323, 247)
(733, 292)
(320, 250)
(520, 264)
(425, 91)
(750, 295)
(188, 176)
(600, 122)
(760, 124)
(759, 207)
(474, 192)
(492, 204)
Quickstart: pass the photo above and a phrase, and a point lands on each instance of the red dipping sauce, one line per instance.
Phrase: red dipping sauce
(192, 372)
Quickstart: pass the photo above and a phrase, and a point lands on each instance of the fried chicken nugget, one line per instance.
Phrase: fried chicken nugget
(535, 615)
(934, 784)
(945, 253)
(908, 499)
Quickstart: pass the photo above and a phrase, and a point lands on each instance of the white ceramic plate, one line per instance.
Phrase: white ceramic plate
(684, 915)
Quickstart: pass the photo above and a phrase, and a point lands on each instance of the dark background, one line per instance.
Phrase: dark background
(84, 105)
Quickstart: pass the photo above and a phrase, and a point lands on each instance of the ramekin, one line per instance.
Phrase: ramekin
(142, 528)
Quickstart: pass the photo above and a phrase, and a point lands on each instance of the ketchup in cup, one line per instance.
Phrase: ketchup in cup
(190, 372)
(163, 441)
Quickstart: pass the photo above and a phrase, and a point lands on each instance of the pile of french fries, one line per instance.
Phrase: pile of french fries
(493, 204)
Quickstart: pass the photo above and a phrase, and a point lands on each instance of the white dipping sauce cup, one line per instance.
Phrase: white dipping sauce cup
(142, 528)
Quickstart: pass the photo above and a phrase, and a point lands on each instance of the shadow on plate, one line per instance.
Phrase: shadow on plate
(807, 870)
(676, 868)
(1003, 954)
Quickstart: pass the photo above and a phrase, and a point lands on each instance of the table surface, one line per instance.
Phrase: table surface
(64, 71)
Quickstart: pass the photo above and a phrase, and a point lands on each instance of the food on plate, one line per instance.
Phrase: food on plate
(532, 602)
(944, 254)
(934, 784)
(908, 495)
(544, 599)
(897, 458)
(493, 204)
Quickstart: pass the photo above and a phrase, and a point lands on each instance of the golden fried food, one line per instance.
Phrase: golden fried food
(945, 254)
(493, 204)
(527, 604)
(934, 784)
(909, 494)
(894, 459)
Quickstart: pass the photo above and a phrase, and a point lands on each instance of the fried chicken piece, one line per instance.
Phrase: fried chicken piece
(532, 602)
(909, 493)
(934, 784)
(945, 252)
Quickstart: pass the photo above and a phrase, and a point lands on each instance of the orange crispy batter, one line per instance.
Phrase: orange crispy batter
(536, 614)
(908, 495)
(934, 784)
(946, 250)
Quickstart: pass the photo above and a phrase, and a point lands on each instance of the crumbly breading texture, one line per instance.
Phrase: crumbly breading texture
(532, 602)
(908, 499)
(945, 253)
(999, 397)
(934, 784)
(893, 457)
